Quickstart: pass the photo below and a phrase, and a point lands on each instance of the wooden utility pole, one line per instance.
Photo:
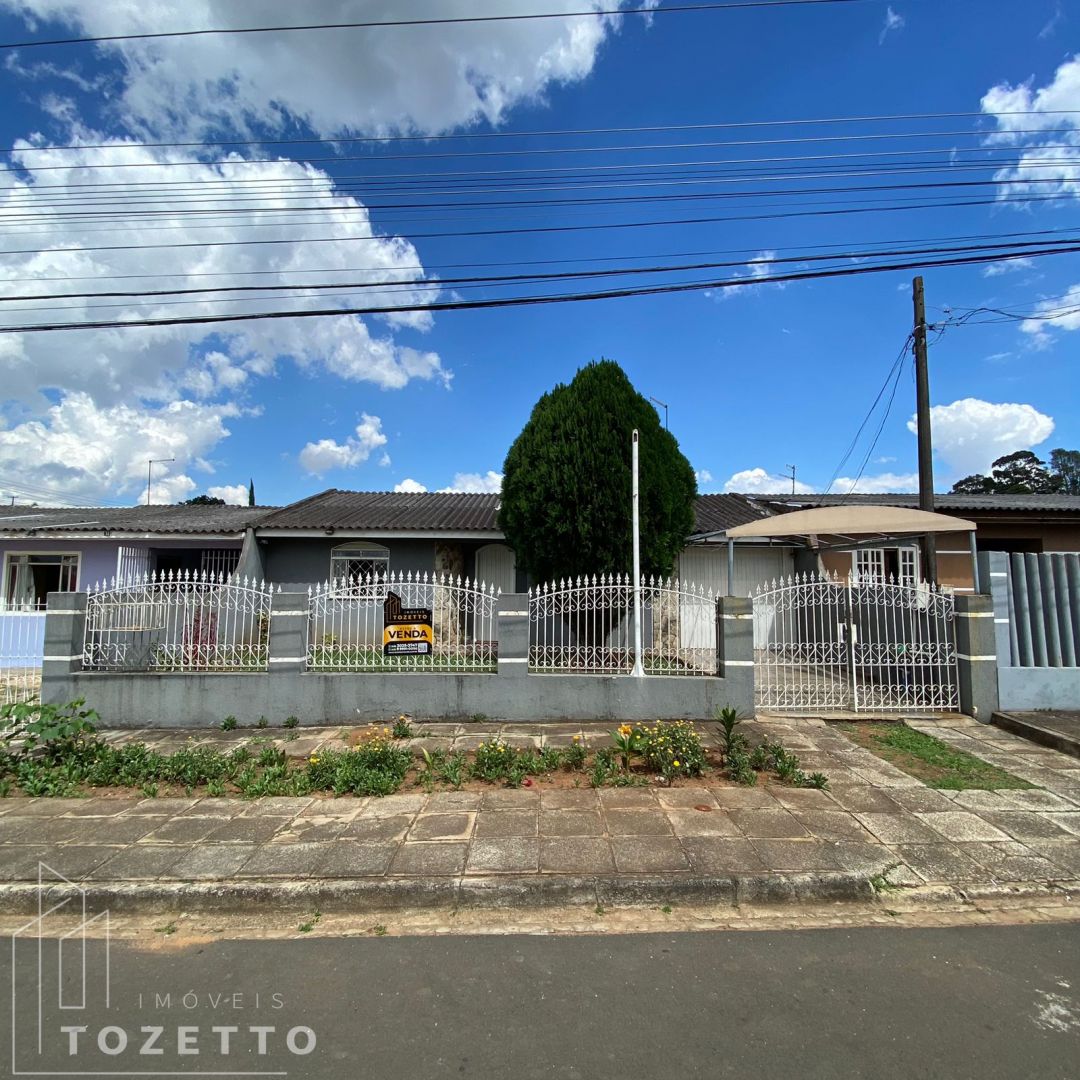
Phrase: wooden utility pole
(922, 413)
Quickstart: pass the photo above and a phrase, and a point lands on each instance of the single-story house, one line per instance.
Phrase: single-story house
(1012, 523)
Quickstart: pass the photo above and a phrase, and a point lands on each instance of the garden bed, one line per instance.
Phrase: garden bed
(930, 760)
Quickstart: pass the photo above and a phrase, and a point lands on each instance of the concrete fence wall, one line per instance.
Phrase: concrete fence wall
(202, 699)
(1037, 627)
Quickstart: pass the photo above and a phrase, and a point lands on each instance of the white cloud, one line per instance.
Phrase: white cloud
(85, 452)
(757, 269)
(704, 476)
(416, 79)
(881, 483)
(761, 482)
(1007, 266)
(893, 21)
(474, 483)
(409, 484)
(233, 494)
(319, 457)
(970, 434)
(1061, 313)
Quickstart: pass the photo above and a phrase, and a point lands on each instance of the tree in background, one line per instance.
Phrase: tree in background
(566, 490)
(1022, 473)
(1065, 465)
(251, 493)
(202, 500)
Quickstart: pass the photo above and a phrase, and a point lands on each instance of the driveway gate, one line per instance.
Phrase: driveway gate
(859, 644)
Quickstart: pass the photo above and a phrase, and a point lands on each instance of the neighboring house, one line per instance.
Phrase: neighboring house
(52, 549)
(1013, 523)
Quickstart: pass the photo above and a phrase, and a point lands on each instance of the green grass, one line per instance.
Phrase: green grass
(934, 762)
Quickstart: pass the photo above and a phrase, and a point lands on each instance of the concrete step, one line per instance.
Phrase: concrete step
(1058, 730)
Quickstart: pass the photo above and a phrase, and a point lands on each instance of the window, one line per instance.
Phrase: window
(359, 563)
(28, 579)
(223, 561)
(899, 564)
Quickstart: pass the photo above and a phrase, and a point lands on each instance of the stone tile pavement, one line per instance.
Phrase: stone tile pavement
(874, 820)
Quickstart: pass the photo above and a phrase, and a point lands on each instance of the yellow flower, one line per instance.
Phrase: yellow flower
(314, 759)
(577, 738)
(625, 729)
(675, 763)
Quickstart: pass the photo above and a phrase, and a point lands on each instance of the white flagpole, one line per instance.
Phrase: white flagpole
(638, 671)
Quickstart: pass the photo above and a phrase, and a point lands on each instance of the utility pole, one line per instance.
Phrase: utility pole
(922, 413)
(663, 405)
(792, 468)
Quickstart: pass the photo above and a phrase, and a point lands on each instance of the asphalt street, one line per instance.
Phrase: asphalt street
(986, 1002)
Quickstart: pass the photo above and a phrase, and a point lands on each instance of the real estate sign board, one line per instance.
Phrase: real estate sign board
(406, 631)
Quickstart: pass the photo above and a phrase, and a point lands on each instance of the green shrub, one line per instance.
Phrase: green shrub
(229, 723)
(51, 732)
(290, 721)
(494, 761)
(673, 749)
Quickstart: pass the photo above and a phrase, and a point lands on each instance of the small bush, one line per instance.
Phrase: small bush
(229, 723)
(51, 732)
(290, 722)
(402, 728)
(673, 750)
(494, 761)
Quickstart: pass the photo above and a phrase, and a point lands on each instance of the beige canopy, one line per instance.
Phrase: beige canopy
(851, 521)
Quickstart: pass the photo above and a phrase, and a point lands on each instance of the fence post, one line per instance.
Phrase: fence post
(995, 580)
(513, 634)
(977, 669)
(735, 650)
(288, 638)
(65, 629)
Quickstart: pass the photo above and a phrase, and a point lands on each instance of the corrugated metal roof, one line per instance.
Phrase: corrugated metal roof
(715, 513)
(390, 511)
(947, 501)
(41, 520)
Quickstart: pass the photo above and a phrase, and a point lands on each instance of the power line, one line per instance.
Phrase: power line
(671, 9)
(877, 434)
(521, 301)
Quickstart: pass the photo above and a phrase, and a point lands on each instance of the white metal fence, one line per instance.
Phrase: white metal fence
(22, 644)
(862, 644)
(345, 623)
(586, 626)
(178, 622)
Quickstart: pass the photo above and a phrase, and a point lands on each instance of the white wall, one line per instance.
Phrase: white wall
(706, 564)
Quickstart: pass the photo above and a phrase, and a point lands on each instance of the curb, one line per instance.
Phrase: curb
(1036, 733)
(365, 894)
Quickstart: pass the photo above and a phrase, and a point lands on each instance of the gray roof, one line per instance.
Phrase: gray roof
(457, 512)
(390, 511)
(1032, 504)
(171, 520)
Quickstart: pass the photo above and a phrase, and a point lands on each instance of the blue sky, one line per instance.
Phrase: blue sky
(756, 378)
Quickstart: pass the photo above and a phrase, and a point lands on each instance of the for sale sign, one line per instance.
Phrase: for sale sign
(406, 631)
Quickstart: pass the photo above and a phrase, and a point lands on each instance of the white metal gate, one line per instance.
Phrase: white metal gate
(22, 645)
(827, 644)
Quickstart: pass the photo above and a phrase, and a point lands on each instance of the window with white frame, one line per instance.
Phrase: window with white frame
(899, 564)
(219, 561)
(357, 563)
(29, 578)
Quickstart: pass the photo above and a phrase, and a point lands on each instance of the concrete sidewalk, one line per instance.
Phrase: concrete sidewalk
(500, 846)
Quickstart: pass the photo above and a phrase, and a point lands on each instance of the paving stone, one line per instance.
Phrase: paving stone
(212, 861)
(445, 802)
(47, 806)
(804, 798)
(348, 859)
(576, 855)
(631, 822)
(345, 806)
(43, 830)
(508, 854)
(692, 822)
(942, 862)
(211, 807)
(1070, 822)
(899, 827)
(249, 830)
(959, 825)
(511, 800)
(168, 806)
(381, 829)
(719, 856)
(868, 859)
(101, 807)
(311, 829)
(442, 827)
(686, 797)
(1037, 800)
(184, 830)
(797, 855)
(141, 862)
(569, 799)
(571, 823)
(279, 806)
(746, 798)
(393, 805)
(285, 860)
(1011, 861)
(506, 823)
(768, 823)
(978, 800)
(634, 798)
(1063, 853)
(832, 825)
(1027, 824)
(73, 861)
(437, 859)
(863, 799)
(648, 854)
(922, 800)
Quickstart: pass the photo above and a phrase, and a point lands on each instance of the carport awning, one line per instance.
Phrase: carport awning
(855, 522)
